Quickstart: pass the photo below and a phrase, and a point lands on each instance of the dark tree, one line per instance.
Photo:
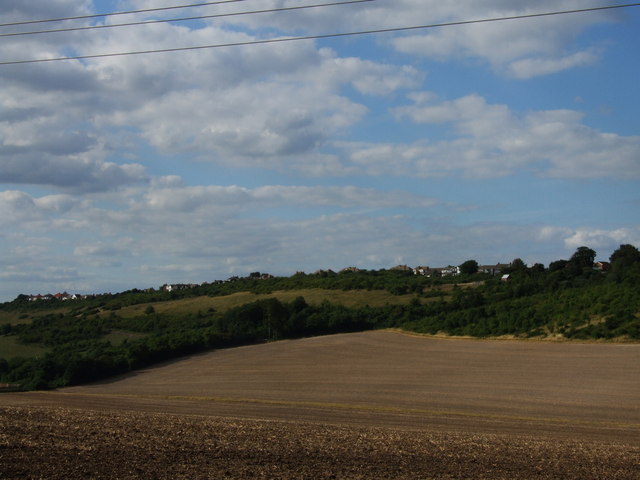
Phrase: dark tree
(469, 267)
(537, 268)
(557, 265)
(517, 266)
(583, 258)
(625, 256)
(625, 261)
(581, 262)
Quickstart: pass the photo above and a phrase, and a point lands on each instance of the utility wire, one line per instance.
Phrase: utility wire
(98, 15)
(200, 17)
(323, 36)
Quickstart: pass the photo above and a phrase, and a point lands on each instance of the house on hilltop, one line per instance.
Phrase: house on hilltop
(427, 271)
(171, 287)
(402, 268)
(350, 269)
(324, 273)
(493, 269)
(449, 271)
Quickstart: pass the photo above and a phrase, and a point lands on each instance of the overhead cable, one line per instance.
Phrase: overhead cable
(129, 12)
(322, 36)
(183, 19)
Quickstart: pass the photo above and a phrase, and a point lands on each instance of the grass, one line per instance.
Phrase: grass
(10, 348)
(313, 296)
(27, 314)
(14, 318)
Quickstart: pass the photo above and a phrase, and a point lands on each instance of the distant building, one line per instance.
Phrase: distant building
(350, 269)
(402, 268)
(449, 271)
(493, 269)
(324, 273)
(172, 287)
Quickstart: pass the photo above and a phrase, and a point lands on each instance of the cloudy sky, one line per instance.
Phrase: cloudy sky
(485, 141)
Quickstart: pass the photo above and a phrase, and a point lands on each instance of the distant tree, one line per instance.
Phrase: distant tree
(581, 261)
(624, 256)
(469, 267)
(537, 268)
(583, 257)
(298, 304)
(557, 265)
(467, 298)
(625, 261)
(275, 316)
(517, 266)
(149, 310)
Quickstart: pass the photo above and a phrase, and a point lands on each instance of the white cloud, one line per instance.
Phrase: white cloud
(521, 48)
(16, 206)
(269, 106)
(531, 67)
(600, 238)
(219, 230)
(192, 234)
(494, 141)
(248, 124)
(278, 106)
(46, 140)
(367, 77)
(232, 199)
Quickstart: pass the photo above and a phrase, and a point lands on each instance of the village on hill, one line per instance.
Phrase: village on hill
(431, 272)
(171, 287)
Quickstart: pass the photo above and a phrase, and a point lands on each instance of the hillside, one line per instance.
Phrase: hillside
(47, 344)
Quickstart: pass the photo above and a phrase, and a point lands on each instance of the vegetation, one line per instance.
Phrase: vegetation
(84, 340)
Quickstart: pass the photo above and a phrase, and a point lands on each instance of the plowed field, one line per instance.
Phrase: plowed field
(369, 405)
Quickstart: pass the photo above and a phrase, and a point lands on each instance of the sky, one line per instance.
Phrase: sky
(487, 141)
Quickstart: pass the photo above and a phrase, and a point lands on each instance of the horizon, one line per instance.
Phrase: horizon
(297, 272)
(427, 146)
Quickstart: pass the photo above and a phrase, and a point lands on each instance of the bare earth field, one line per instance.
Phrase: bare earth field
(374, 405)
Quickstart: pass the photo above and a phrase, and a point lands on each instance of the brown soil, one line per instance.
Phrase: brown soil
(360, 406)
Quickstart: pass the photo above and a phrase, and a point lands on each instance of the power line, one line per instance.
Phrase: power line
(322, 36)
(170, 20)
(98, 15)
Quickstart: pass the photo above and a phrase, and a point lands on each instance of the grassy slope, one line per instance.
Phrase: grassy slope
(313, 296)
(17, 317)
(10, 348)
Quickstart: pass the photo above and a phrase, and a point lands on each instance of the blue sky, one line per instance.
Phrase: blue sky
(493, 141)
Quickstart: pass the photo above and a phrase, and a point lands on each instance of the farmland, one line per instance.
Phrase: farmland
(361, 405)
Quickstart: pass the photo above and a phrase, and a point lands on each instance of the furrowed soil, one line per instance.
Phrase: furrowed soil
(374, 405)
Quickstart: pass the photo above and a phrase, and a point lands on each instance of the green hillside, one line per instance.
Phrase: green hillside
(50, 343)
